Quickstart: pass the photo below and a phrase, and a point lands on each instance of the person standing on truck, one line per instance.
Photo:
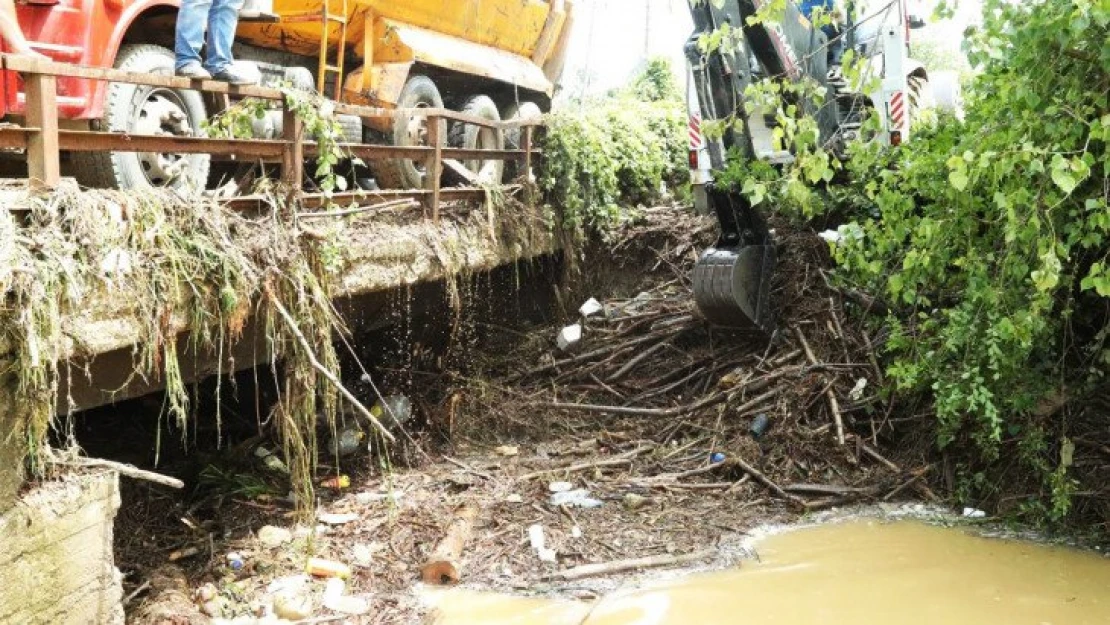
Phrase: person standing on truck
(221, 18)
(13, 34)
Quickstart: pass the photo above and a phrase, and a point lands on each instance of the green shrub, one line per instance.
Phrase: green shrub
(602, 155)
(989, 239)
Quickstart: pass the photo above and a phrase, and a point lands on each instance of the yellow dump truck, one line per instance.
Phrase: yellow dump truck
(496, 59)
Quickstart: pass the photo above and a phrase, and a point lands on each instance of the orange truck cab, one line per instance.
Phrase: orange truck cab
(86, 32)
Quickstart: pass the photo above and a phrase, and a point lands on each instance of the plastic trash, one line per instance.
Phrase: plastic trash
(273, 536)
(760, 424)
(716, 458)
(348, 441)
(974, 513)
(270, 460)
(560, 487)
(337, 482)
(293, 606)
(569, 336)
(536, 539)
(591, 307)
(857, 391)
(319, 567)
(393, 410)
(234, 561)
(579, 498)
(332, 518)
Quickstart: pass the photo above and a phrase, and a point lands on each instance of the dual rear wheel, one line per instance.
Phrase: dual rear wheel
(420, 92)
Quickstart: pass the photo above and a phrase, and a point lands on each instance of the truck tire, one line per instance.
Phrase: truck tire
(140, 109)
(472, 137)
(418, 92)
(513, 136)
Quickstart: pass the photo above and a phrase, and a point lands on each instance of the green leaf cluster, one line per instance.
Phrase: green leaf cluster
(989, 237)
(602, 155)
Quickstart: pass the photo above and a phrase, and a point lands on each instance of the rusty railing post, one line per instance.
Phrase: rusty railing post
(43, 160)
(433, 163)
(527, 145)
(292, 156)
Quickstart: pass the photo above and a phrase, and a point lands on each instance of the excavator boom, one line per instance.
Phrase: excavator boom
(732, 280)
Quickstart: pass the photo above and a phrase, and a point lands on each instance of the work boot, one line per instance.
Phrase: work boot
(194, 71)
(233, 77)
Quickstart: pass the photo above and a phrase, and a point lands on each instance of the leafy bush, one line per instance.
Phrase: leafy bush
(599, 156)
(989, 238)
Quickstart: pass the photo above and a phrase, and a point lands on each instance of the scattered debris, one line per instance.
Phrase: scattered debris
(272, 536)
(444, 567)
(507, 450)
(320, 567)
(569, 336)
(293, 605)
(234, 560)
(331, 518)
(578, 498)
(337, 482)
(590, 307)
(559, 487)
(538, 542)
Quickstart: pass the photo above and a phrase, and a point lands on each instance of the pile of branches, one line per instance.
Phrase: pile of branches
(799, 412)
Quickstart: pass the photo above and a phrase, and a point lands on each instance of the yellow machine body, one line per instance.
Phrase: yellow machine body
(518, 43)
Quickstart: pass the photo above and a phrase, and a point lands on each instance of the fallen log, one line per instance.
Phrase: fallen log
(444, 567)
(619, 566)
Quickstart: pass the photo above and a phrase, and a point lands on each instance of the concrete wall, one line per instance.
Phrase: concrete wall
(56, 564)
(12, 445)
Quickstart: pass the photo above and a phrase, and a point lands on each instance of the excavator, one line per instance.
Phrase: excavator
(732, 279)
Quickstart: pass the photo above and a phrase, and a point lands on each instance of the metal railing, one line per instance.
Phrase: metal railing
(44, 140)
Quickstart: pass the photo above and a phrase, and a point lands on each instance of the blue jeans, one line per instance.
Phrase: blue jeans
(221, 18)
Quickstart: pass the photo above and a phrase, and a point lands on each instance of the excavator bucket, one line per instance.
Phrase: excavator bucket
(732, 287)
(732, 281)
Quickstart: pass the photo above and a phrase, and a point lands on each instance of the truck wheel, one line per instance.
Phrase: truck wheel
(419, 92)
(145, 110)
(473, 137)
(513, 136)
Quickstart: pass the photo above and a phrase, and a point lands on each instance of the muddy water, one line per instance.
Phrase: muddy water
(845, 573)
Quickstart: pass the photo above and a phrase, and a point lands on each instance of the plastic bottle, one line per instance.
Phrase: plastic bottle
(760, 424)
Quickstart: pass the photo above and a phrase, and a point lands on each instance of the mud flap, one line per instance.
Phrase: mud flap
(732, 286)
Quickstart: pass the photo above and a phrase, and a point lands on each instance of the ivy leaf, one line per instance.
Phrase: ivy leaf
(958, 178)
(1062, 176)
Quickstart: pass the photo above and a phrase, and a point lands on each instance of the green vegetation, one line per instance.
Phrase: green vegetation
(614, 152)
(989, 240)
(175, 263)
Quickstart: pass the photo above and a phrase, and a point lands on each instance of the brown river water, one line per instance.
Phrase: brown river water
(849, 573)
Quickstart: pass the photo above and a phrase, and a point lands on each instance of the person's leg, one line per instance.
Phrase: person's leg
(189, 37)
(222, 21)
(12, 33)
